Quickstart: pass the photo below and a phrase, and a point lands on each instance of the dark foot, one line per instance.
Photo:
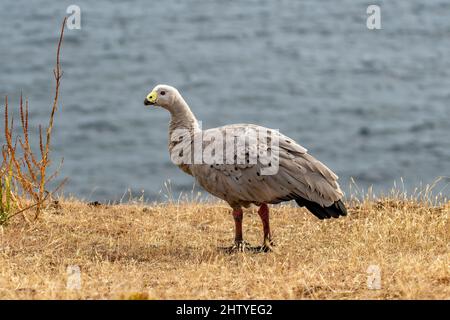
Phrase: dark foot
(244, 246)
(267, 246)
(238, 246)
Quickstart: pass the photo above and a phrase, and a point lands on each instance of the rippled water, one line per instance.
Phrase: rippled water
(373, 105)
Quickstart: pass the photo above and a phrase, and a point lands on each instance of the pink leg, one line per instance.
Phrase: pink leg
(238, 215)
(264, 215)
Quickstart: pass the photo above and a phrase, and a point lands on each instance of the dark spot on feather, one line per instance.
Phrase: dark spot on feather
(258, 174)
(181, 153)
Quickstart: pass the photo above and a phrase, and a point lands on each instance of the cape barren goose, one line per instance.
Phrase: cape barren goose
(246, 164)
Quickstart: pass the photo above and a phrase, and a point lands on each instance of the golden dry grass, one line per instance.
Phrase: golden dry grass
(171, 252)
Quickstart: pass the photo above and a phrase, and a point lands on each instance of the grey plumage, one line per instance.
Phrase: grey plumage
(300, 176)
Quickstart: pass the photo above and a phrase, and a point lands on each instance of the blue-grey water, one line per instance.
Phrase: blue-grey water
(371, 104)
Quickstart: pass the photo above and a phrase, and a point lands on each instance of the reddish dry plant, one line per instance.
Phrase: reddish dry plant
(23, 172)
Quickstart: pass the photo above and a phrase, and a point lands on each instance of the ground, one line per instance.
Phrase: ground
(172, 251)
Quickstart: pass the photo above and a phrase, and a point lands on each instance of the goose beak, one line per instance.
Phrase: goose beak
(151, 98)
(147, 102)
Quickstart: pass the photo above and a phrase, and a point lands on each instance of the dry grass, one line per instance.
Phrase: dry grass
(23, 172)
(171, 252)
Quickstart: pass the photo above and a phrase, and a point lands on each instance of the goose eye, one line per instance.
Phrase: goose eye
(163, 93)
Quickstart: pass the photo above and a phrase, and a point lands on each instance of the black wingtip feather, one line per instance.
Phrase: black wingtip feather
(336, 210)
